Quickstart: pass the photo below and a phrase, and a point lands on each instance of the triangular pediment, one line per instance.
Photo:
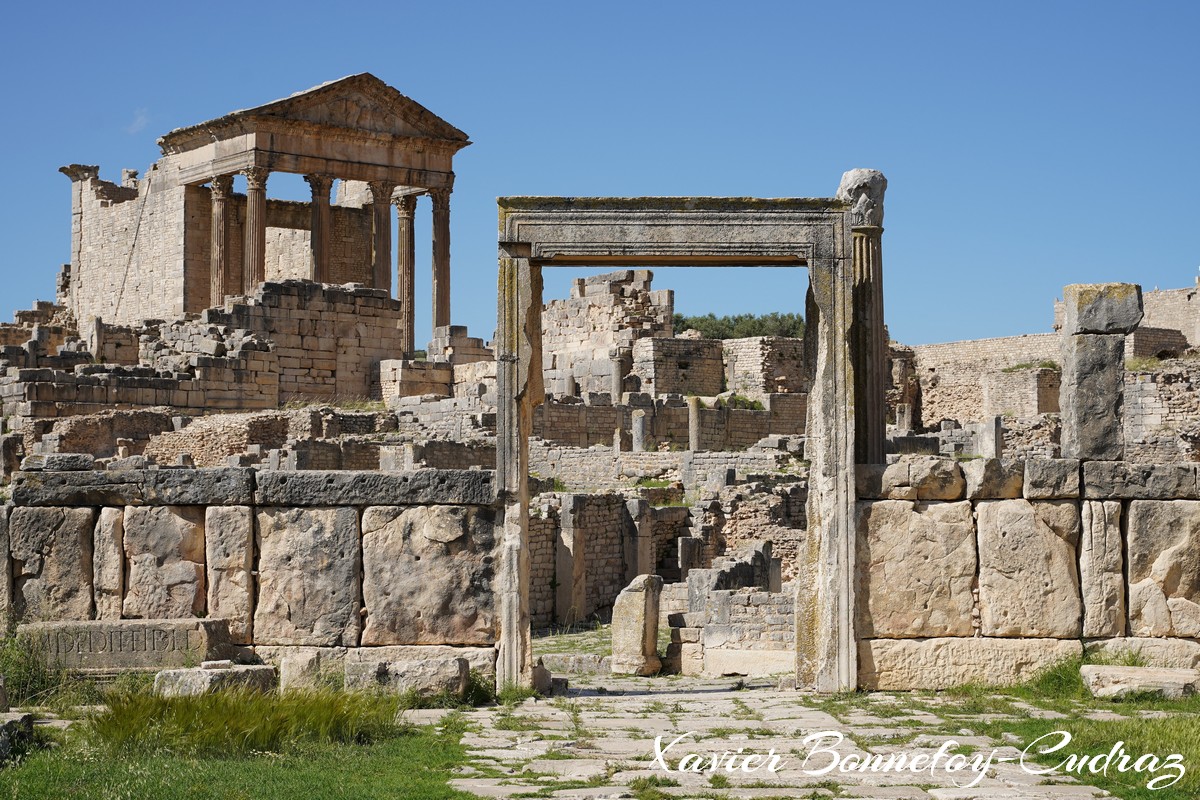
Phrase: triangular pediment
(358, 102)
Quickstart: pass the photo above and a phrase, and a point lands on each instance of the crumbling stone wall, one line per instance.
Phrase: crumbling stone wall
(678, 366)
(1162, 412)
(762, 365)
(949, 374)
(1024, 392)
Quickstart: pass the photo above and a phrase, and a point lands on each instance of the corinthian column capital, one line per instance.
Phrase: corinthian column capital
(381, 191)
(406, 206)
(256, 177)
(441, 199)
(320, 184)
(864, 189)
(221, 187)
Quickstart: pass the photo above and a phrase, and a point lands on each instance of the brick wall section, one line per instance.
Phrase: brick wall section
(1020, 393)
(1160, 405)
(604, 313)
(762, 365)
(1146, 342)
(543, 539)
(949, 373)
(749, 619)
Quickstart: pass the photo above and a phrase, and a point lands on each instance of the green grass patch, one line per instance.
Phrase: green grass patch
(1140, 364)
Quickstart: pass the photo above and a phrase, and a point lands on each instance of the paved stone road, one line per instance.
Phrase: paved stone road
(599, 742)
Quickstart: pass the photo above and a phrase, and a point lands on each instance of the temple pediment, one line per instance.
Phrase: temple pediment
(358, 102)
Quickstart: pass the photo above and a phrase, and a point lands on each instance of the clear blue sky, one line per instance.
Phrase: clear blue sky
(1027, 145)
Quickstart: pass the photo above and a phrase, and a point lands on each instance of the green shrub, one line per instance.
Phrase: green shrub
(741, 326)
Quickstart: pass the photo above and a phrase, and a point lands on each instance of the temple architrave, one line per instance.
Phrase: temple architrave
(180, 240)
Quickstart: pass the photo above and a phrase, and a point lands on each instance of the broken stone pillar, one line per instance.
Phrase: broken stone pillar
(1093, 379)
(639, 550)
(571, 580)
(616, 440)
(639, 431)
(989, 438)
(904, 416)
(864, 190)
(635, 627)
(693, 405)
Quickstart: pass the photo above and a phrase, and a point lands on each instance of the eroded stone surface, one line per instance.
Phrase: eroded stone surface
(1172, 653)
(635, 627)
(164, 550)
(993, 479)
(1028, 578)
(308, 577)
(1101, 569)
(129, 643)
(229, 554)
(1122, 480)
(428, 575)
(108, 563)
(1101, 308)
(425, 676)
(1164, 568)
(936, 478)
(1051, 478)
(52, 563)
(905, 664)
(1093, 381)
(417, 487)
(916, 567)
(1112, 681)
(198, 681)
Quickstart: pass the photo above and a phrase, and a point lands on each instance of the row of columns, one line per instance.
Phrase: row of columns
(228, 279)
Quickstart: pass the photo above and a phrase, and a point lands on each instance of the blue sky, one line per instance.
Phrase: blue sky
(1027, 145)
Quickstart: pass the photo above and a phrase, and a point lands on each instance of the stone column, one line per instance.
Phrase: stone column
(406, 266)
(864, 189)
(254, 261)
(693, 406)
(638, 427)
(222, 279)
(322, 225)
(381, 234)
(635, 627)
(441, 256)
(1093, 378)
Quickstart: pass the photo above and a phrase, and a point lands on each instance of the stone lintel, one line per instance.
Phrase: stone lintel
(1123, 480)
(341, 488)
(179, 487)
(129, 643)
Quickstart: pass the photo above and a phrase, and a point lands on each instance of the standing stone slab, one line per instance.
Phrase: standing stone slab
(1164, 568)
(1101, 308)
(1092, 395)
(52, 563)
(1101, 569)
(229, 555)
(907, 664)
(129, 643)
(916, 566)
(308, 577)
(427, 575)
(635, 627)
(164, 550)
(1028, 578)
(108, 563)
(6, 572)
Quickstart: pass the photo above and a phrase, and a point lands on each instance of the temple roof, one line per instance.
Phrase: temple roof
(358, 102)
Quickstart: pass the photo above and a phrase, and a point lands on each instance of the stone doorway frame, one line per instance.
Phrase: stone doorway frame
(647, 232)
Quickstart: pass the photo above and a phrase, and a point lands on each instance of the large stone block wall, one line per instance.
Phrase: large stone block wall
(1161, 403)
(992, 570)
(761, 365)
(678, 366)
(1020, 393)
(949, 374)
(291, 559)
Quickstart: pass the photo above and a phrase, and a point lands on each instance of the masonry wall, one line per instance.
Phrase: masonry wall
(678, 366)
(995, 574)
(949, 374)
(337, 560)
(762, 365)
(1023, 392)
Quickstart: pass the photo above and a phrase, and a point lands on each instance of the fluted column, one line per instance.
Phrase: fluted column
(322, 224)
(381, 234)
(864, 189)
(406, 269)
(254, 259)
(441, 256)
(222, 279)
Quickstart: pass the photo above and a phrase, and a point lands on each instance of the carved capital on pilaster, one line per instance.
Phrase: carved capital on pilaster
(406, 206)
(256, 177)
(80, 172)
(320, 185)
(381, 191)
(441, 199)
(864, 189)
(221, 187)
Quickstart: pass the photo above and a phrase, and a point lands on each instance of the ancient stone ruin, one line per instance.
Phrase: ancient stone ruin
(222, 443)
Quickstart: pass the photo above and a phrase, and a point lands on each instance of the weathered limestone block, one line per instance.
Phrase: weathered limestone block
(303, 667)
(418, 487)
(206, 487)
(1111, 682)
(229, 556)
(719, 662)
(427, 575)
(58, 462)
(1028, 578)
(884, 481)
(993, 479)
(425, 676)
(108, 563)
(480, 659)
(916, 569)
(52, 563)
(1101, 569)
(164, 549)
(906, 664)
(1101, 308)
(1093, 389)
(308, 577)
(198, 681)
(129, 643)
(635, 627)
(1171, 653)
(1164, 568)
(6, 571)
(936, 478)
(1051, 478)
(1122, 480)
